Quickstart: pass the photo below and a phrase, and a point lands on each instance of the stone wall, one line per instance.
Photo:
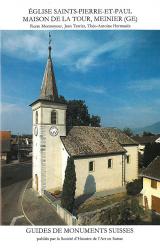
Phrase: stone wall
(118, 213)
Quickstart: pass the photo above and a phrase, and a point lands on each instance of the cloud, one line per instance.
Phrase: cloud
(9, 108)
(32, 45)
(136, 109)
(145, 85)
(97, 89)
(77, 50)
(16, 118)
(132, 116)
(69, 47)
(9, 101)
(116, 47)
(24, 45)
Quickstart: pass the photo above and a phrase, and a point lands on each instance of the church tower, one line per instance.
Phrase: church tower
(49, 124)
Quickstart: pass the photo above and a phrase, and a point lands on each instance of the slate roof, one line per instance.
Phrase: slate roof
(85, 141)
(5, 141)
(5, 145)
(153, 169)
(146, 139)
(5, 135)
(49, 89)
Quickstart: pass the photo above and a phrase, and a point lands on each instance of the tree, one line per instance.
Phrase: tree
(130, 212)
(62, 100)
(69, 186)
(95, 121)
(128, 131)
(145, 133)
(134, 187)
(77, 114)
(150, 152)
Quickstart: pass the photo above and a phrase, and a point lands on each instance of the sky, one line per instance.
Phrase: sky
(116, 72)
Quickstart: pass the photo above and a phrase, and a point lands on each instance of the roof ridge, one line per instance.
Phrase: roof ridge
(153, 169)
(153, 160)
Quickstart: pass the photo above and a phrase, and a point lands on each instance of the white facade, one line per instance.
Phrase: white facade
(47, 148)
(131, 164)
(149, 192)
(103, 178)
(50, 157)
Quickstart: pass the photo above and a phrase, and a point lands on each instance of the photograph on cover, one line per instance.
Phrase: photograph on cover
(80, 129)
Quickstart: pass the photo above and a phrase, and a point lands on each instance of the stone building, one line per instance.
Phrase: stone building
(5, 145)
(105, 158)
(151, 185)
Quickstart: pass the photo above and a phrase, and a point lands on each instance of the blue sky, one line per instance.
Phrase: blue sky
(117, 73)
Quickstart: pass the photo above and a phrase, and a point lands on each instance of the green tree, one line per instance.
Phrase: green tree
(130, 212)
(150, 152)
(145, 133)
(78, 115)
(95, 121)
(134, 187)
(128, 131)
(62, 100)
(69, 186)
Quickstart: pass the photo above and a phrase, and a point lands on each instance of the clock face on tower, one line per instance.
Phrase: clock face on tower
(53, 131)
(36, 131)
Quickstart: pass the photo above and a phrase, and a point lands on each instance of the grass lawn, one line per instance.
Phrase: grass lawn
(94, 203)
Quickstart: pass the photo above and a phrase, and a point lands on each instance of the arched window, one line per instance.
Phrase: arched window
(128, 159)
(53, 117)
(36, 117)
(110, 163)
(91, 166)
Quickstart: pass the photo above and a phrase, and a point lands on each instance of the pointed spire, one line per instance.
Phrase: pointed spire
(49, 89)
(49, 47)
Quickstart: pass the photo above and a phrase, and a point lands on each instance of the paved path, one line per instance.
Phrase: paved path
(38, 210)
(14, 179)
(20, 204)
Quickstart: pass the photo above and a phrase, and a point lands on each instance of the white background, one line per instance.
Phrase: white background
(11, 12)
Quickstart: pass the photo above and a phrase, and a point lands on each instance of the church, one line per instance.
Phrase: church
(105, 158)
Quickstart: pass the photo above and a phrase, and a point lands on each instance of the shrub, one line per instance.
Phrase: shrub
(127, 212)
(134, 187)
(130, 212)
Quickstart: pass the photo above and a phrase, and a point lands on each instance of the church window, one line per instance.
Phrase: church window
(36, 117)
(53, 117)
(91, 166)
(110, 163)
(128, 159)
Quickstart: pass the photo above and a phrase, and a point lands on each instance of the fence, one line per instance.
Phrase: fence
(68, 218)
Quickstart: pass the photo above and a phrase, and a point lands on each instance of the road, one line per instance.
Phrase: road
(14, 178)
